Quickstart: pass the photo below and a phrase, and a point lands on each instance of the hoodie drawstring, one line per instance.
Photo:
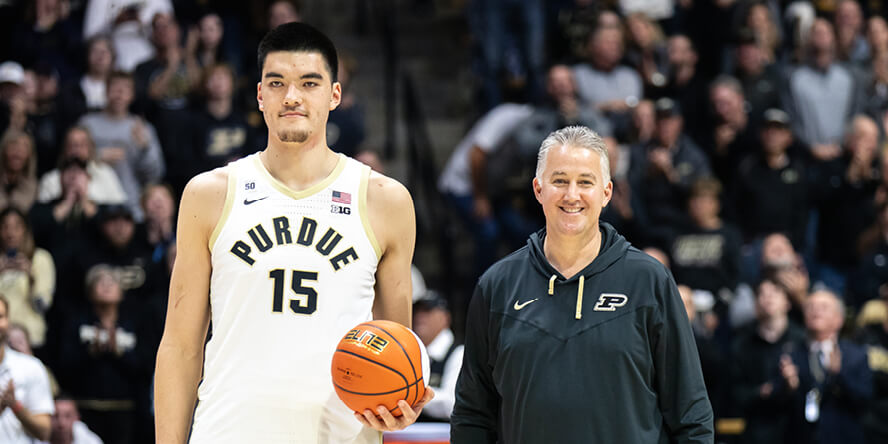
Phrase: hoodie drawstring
(580, 298)
(552, 284)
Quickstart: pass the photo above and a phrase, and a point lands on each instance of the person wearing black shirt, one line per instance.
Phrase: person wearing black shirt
(756, 349)
(771, 193)
(705, 253)
(578, 337)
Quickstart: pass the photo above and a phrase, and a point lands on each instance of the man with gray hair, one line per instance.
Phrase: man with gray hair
(578, 336)
(828, 379)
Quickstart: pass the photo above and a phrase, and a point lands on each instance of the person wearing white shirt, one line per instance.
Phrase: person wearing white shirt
(67, 427)
(25, 398)
(431, 322)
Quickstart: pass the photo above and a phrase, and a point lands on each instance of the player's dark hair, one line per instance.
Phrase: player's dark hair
(299, 37)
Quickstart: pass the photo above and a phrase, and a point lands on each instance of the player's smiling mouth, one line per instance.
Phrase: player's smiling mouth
(572, 210)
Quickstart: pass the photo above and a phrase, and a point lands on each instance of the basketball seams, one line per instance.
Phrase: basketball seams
(406, 354)
(406, 381)
(407, 387)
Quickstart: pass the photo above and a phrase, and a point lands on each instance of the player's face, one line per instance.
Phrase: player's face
(296, 95)
(572, 190)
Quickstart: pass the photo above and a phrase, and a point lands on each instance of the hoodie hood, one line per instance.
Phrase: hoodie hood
(613, 247)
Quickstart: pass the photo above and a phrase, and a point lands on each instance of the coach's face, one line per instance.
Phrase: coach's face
(296, 95)
(572, 190)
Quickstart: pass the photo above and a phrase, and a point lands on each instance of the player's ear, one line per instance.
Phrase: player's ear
(537, 190)
(336, 97)
(259, 95)
(608, 193)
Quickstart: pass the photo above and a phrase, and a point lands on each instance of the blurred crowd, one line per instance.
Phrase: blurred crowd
(747, 144)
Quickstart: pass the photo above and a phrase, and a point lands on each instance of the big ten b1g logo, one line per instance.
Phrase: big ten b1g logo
(340, 209)
(367, 339)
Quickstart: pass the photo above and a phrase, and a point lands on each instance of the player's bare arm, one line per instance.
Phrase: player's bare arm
(393, 222)
(180, 355)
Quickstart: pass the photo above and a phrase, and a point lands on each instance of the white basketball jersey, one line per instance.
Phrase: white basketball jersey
(292, 273)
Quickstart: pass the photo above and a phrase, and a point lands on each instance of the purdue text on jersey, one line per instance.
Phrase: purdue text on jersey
(260, 239)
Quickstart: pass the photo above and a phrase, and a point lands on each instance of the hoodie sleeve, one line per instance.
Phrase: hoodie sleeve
(682, 394)
(476, 411)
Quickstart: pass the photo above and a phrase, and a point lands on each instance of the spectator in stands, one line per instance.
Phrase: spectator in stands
(822, 94)
(759, 77)
(128, 22)
(158, 232)
(773, 257)
(126, 142)
(770, 192)
(685, 84)
(103, 186)
(27, 275)
(164, 85)
(48, 35)
(118, 248)
(646, 51)
(25, 398)
(208, 50)
(67, 428)
(844, 190)
(828, 378)
(18, 168)
(64, 225)
(431, 322)
(643, 123)
(103, 361)
(562, 107)
(13, 106)
(464, 184)
(756, 350)
(46, 117)
(731, 136)
(602, 81)
(220, 132)
(345, 126)
(665, 169)
(706, 251)
(761, 21)
(18, 340)
(89, 92)
(851, 45)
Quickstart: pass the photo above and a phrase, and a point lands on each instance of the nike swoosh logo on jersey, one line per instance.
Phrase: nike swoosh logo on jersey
(249, 201)
(518, 306)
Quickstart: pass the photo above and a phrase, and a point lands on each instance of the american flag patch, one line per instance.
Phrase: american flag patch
(343, 198)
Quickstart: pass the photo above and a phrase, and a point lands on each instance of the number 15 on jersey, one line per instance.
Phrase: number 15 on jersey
(305, 300)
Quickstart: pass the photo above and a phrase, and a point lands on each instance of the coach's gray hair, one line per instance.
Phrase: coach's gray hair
(577, 137)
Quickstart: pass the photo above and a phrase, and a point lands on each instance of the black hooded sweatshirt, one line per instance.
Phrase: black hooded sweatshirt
(606, 356)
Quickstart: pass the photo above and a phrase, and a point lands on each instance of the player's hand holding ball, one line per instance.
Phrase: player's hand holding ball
(380, 370)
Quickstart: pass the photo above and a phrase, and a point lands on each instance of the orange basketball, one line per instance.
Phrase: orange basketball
(378, 363)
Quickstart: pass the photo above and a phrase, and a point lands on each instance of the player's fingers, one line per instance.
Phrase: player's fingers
(408, 413)
(391, 423)
(372, 420)
(362, 420)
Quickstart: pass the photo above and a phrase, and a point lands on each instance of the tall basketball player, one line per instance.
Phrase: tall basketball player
(284, 251)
